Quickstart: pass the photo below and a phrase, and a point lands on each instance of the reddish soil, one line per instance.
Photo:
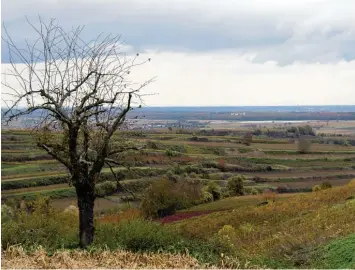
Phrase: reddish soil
(184, 215)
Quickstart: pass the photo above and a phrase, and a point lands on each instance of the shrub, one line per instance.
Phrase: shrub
(105, 188)
(164, 197)
(325, 185)
(322, 186)
(15, 184)
(44, 226)
(235, 185)
(193, 175)
(304, 145)
(177, 148)
(153, 145)
(257, 132)
(171, 176)
(226, 235)
(209, 164)
(247, 139)
(72, 209)
(193, 169)
(206, 197)
(244, 150)
(253, 191)
(146, 236)
(7, 213)
(214, 189)
(205, 175)
(316, 188)
(178, 170)
(140, 235)
(171, 153)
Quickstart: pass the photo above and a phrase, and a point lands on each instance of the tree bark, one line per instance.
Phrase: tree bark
(86, 200)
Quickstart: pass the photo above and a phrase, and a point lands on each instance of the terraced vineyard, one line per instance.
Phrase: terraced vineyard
(267, 163)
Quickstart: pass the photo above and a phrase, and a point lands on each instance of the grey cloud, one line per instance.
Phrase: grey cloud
(310, 31)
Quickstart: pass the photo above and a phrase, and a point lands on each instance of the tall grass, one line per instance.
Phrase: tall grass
(283, 226)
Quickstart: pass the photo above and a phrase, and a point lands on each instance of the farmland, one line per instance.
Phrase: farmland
(278, 181)
(268, 162)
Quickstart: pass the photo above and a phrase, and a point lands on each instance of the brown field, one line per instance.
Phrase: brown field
(100, 203)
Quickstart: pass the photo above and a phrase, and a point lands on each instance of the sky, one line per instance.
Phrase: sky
(215, 53)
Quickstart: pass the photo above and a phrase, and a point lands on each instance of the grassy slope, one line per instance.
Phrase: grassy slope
(293, 225)
(338, 254)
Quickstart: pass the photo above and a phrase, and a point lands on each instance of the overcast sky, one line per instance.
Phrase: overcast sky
(227, 52)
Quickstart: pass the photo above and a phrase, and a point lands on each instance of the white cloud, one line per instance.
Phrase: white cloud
(229, 78)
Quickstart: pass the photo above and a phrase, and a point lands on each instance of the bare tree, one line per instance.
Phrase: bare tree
(81, 89)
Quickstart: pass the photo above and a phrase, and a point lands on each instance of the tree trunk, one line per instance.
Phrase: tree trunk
(86, 199)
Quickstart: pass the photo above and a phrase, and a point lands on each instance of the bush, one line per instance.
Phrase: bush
(165, 197)
(257, 132)
(177, 148)
(244, 150)
(193, 169)
(105, 188)
(153, 145)
(206, 197)
(193, 175)
(171, 153)
(251, 191)
(235, 185)
(56, 230)
(247, 139)
(146, 236)
(325, 185)
(316, 188)
(15, 184)
(214, 189)
(44, 226)
(135, 235)
(304, 145)
(7, 213)
(205, 175)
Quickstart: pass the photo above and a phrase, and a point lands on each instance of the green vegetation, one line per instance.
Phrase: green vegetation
(164, 197)
(213, 193)
(235, 185)
(338, 254)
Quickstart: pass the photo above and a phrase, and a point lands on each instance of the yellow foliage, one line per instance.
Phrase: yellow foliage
(287, 224)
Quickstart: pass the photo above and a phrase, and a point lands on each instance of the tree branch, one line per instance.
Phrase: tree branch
(118, 182)
(55, 155)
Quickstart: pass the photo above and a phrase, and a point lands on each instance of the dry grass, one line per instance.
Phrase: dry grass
(16, 257)
(128, 214)
(305, 220)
